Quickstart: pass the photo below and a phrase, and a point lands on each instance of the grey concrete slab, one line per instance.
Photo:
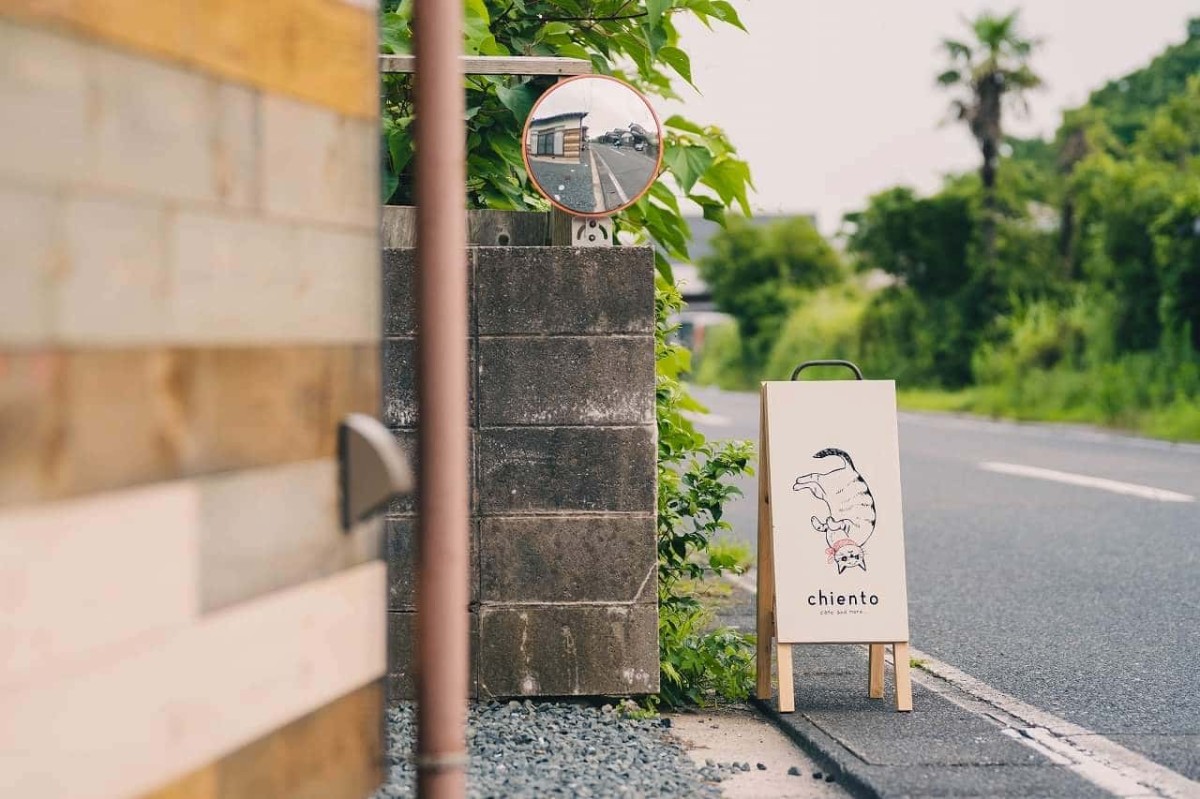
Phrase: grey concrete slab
(565, 469)
(572, 380)
(568, 650)
(556, 558)
(402, 562)
(564, 290)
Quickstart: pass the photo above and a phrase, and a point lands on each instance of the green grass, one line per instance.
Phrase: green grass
(731, 555)
(1178, 420)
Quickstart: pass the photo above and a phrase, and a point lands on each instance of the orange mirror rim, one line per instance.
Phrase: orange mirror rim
(529, 169)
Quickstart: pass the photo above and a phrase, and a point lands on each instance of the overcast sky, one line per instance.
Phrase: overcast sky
(609, 104)
(833, 100)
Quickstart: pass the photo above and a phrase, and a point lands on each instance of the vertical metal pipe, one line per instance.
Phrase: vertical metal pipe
(442, 645)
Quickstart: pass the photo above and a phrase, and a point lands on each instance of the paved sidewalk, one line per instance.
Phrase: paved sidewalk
(937, 750)
(774, 767)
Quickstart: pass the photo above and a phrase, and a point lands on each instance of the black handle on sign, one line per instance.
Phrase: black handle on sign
(858, 375)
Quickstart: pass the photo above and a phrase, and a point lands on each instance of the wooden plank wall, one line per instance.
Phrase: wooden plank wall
(189, 302)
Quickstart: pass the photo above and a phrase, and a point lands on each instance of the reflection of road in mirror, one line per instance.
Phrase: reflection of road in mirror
(621, 173)
(592, 145)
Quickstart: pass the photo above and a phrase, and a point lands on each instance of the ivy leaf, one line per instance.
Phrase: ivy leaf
(553, 29)
(655, 9)
(389, 179)
(688, 163)
(678, 61)
(713, 210)
(395, 35)
(724, 11)
(518, 99)
(729, 178)
(400, 148)
(573, 50)
(476, 25)
(677, 122)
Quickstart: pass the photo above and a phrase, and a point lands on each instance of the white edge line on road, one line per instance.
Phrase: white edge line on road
(1086, 481)
(597, 189)
(1093, 757)
(1104, 763)
(613, 177)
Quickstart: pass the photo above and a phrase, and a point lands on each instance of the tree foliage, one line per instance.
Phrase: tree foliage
(756, 273)
(988, 73)
(1128, 102)
(1086, 306)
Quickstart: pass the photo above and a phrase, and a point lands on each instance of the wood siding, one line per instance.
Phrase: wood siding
(191, 302)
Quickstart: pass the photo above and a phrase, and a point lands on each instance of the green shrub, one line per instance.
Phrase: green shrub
(825, 324)
(721, 361)
(697, 664)
(757, 274)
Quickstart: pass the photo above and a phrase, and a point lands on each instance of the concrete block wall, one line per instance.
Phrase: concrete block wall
(189, 302)
(564, 597)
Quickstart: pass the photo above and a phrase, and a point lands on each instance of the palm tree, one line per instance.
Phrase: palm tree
(989, 73)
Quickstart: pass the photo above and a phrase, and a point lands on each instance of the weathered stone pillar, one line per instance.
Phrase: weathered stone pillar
(563, 454)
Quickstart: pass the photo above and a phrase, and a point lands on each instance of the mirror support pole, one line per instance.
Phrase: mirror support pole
(442, 624)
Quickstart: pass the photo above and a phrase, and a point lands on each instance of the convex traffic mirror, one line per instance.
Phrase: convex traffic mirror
(593, 145)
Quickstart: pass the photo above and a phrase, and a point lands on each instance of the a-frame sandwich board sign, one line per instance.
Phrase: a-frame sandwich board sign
(830, 527)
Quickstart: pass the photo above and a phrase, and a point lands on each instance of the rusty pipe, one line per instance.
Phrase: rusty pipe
(442, 645)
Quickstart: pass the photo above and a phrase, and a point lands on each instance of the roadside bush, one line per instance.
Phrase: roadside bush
(757, 274)
(898, 338)
(721, 361)
(825, 325)
(1042, 335)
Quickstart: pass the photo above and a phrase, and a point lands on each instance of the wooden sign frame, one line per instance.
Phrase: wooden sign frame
(767, 608)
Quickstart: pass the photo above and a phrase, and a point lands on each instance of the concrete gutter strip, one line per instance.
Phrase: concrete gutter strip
(831, 756)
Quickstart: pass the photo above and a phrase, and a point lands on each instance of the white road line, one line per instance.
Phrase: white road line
(1115, 486)
(1104, 763)
(613, 177)
(597, 189)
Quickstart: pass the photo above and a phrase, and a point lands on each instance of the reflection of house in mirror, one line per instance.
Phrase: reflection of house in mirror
(558, 136)
(638, 133)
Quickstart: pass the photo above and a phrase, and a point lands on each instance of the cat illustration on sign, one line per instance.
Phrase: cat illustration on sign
(850, 520)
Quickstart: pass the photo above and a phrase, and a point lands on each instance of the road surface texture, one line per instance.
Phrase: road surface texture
(623, 172)
(1058, 567)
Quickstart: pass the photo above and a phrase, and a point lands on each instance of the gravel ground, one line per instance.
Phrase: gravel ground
(523, 749)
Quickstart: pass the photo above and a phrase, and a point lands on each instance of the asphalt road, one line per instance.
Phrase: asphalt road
(1080, 601)
(624, 172)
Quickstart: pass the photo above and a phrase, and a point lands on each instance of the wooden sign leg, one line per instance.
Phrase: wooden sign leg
(787, 691)
(903, 679)
(875, 671)
(766, 631)
(766, 567)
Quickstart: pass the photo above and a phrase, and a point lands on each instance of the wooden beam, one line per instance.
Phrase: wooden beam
(498, 65)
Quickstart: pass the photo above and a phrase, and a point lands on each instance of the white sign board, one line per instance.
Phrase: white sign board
(837, 526)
